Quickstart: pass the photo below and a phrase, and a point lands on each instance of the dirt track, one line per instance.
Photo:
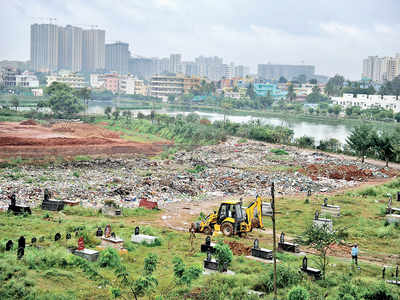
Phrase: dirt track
(28, 139)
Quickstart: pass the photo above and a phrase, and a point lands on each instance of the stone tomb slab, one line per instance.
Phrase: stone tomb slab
(265, 261)
(116, 242)
(88, 254)
(139, 238)
(312, 272)
(209, 272)
(71, 202)
(332, 210)
(261, 253)
(289, 247)
(393, 210)
(321, 223)
(111, 211)
(396, 282)
(211, 264)
(393, 218)
(266, 209)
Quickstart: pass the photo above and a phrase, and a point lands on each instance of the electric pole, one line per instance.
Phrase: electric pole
(274, 237)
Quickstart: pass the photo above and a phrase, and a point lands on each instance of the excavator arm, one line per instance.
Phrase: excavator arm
(255, 221)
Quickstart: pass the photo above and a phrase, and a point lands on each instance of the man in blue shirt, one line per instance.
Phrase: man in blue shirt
(354, 254)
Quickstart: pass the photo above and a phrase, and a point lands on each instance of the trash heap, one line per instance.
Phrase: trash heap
(229, 168)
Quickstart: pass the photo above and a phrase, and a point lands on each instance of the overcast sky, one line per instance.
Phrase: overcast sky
(333, 35)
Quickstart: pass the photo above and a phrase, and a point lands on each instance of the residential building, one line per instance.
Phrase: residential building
(117, 56)
(93, 50)
(175, 64)
(380, 69)
(164, 85)
(241, 71)
(44, 47)
(274, 72)
(97, 81)
(368, 101)
(228, 71)
(72, 79)
(10, 78)
(140, 67)
(70, 48)
(130, 85)
(112, 82)
(264, 89)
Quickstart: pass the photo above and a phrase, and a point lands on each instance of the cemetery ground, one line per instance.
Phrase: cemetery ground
(49, 271)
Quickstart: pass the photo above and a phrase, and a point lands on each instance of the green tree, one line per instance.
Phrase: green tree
(185, 275)
(15, 102)
(250, 91)
(397, 117)
(337, 109)
(127, 114)
(85, 94)
(226, 106)
(313, 81)
(305, 142)
(143, 285)
(107, 112)
(282, 79)
(361, 141)
(116, 114)
(321, 239)
(291, 94)
(334, 86)
(384, 145)
(62, 100)
(171, 98)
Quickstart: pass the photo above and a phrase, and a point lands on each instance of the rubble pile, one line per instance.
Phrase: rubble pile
(226, 169)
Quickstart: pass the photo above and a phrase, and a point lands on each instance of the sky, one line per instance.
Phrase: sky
(332, 35)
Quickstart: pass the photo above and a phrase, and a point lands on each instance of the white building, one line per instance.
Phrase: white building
(380, 69)
(73, 80)
(27, 80)
(368, 101)
(97, 81)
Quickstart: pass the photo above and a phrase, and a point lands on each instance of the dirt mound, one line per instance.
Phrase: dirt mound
(239, 249)
(28, 122)
(333, 171)
(66, 139)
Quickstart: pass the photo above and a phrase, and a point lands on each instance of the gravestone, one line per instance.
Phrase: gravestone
(309, 193)
(139, 238)
(392, 212)
(110, 239)
(383, 273)
(57, 237)
(210, 263)
(9, 245)
(21, 247)
(398, 196)
(322, 223)
(99, 232)
(332, 210)
(286, 246)
(266, 209)
(107, 231)
(88, 254)
(18, 209)
(33, 241)
(208, 246)
(51, 205)
(111, 210)
(81, 243)
(68, 236)
(310, 271)
(256, 251)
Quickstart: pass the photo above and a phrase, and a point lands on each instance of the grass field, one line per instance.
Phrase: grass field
(50, 272)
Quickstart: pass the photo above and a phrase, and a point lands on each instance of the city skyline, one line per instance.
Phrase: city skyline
(328, 35)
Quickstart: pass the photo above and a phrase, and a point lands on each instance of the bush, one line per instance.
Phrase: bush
(109, 258)
(279, 152)
(368, 192)
(47, 258)
(347, 297)
(286, 277)
(298, 293)
(224, 255)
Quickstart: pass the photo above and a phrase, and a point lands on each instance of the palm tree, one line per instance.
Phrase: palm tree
(291, 94)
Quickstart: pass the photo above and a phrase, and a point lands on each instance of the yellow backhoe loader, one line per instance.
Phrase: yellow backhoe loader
(232, 219)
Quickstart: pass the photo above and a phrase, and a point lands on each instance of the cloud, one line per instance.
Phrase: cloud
(328, 34)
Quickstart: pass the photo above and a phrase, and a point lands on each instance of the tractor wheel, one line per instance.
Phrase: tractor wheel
(207, 230)
(255, 223)
(227, 229)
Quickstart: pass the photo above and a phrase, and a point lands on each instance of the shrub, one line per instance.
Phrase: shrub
(298, 293)
(368, 192)
(347, 297)
(224, 255)
(109, 258)
(286, 277)
(279, 152)
(378, 291)
(46, 258)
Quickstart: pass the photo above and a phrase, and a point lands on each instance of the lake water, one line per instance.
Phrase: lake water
(318, 129)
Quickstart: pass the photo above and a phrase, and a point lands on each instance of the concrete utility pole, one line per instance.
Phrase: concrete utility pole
(274, 238)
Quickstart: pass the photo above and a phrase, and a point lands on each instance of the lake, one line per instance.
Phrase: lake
(320, 130)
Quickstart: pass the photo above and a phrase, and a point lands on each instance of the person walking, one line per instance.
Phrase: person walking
(354, 254)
